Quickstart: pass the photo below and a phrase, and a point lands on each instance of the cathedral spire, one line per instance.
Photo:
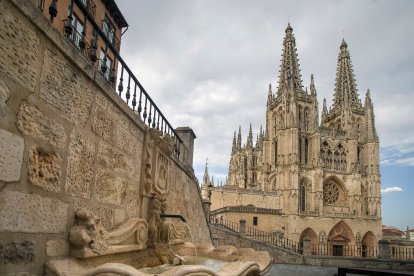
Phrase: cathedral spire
(370, 119)
(250, 138)
(269, 95)
(233, 148)
(206, 178)
(324, 110)
(345, 88)
(289, 69)
(239, 139)
(312, 86)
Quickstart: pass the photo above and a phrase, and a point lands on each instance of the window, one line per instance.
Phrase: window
(107, 73)
(302, 197)
(255, 220)
(306, 150)
(108, 29)
(276, 152)
(77, 29)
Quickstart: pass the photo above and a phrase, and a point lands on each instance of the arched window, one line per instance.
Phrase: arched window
(306, 150)
(275, 152)
(305, 120)
(302, 196)
(304, 189)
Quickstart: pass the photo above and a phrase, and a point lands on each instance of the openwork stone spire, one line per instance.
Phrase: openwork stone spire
(345, 88)
(250, 138)
(233, 148)
(239, 139)
(206, 178)
(289, 69)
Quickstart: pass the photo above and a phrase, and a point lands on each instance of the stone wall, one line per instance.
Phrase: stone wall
(280, 255)
(67, 141)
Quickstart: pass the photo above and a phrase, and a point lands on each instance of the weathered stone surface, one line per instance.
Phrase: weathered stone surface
(65, 89)
(44, 169)
(32, 122)
(80, 166)
(111, 158)
(109, 187)
(131, 143)
(106, 214)
(17, 253)
(31, 213)
(18, 48)
(119, 216)
(104, 125)
(11, 156)
(56, 248)
(4, 96)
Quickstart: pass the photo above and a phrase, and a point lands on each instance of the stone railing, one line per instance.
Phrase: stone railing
(246, 209)
(401, 252)
(344, 250)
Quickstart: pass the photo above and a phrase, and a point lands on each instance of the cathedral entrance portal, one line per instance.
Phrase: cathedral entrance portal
(339, 238)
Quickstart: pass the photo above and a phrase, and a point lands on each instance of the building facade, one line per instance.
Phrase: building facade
(323, 177)
(76, 20)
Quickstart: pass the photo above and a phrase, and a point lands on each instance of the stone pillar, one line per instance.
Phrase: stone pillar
(242, 229)
(187, 135)
(307, 247)
(206, 209)
(384, 249)
(215, 241)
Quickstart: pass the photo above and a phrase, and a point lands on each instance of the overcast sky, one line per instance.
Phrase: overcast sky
(208, 64)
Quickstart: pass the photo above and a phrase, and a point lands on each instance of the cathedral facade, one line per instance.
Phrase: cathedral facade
(323, 177)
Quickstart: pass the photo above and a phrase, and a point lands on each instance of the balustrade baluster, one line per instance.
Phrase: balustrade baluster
(128, 93)
(144, 115)
(149, 115)
(140, 102)
(134, 98)
(121, 85)
(53, 10)
(153, 119)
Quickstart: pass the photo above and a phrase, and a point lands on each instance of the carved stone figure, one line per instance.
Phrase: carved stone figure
(88, 238)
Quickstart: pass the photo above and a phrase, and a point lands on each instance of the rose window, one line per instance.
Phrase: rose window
(331, 193)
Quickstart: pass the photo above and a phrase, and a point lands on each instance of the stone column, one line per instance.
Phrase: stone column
(242, 229)
(187, 135)
(384, 249)
(206, 209)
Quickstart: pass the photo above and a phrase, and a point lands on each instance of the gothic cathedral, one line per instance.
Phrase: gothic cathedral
(322, 178)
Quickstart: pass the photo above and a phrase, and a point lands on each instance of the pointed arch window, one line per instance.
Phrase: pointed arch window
(304, 189)
(302, 197)
(306, 150)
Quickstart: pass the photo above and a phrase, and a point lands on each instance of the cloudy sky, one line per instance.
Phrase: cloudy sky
(208, 64)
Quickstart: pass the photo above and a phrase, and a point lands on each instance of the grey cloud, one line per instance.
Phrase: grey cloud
(207, 64)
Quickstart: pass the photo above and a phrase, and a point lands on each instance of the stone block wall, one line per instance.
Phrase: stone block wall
(67, 141)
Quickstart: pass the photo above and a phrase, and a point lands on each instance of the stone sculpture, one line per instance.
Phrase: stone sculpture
(88, 238)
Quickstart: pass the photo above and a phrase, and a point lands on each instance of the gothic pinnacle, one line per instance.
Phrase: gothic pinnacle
(312, 86)
(233, 148)
(289, 77)
(345, 87)
(239, 139)
(250, 137)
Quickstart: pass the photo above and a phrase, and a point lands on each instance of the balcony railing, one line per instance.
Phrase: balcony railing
(135, 95)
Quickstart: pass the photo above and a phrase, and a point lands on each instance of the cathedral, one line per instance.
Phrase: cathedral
(305, 178)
